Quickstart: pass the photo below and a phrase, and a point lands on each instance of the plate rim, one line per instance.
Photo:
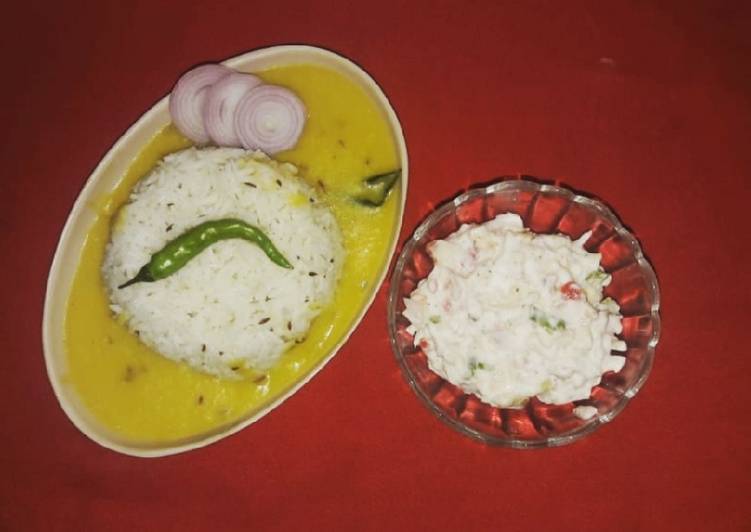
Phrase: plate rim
(268, 53)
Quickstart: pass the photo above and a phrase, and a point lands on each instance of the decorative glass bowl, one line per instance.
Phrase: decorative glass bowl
(544, 209)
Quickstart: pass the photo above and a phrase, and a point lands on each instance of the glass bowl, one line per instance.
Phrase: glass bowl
(544, 209)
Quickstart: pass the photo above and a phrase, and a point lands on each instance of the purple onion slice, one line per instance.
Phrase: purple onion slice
(221, 102)
(188, 97)
(269, 118)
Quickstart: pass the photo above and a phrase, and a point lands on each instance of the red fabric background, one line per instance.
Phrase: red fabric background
(646, 106)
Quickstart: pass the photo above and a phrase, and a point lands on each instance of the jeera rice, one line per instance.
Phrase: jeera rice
(230, 307)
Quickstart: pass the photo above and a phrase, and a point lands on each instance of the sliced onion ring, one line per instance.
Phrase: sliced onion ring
(187, 99)
(219, 109)
(269, 118)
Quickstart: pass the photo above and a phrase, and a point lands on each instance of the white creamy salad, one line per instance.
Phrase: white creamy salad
(508, 314)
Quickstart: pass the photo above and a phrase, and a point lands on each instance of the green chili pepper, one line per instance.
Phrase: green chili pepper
(376, 188)
(179, 251)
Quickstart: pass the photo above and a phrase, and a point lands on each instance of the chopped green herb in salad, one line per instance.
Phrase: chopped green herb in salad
(547, 323)
(474, 365)
(597, 275)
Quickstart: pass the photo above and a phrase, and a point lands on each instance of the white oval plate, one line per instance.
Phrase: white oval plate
(104, 179)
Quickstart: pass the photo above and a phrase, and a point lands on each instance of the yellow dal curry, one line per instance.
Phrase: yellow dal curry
(145, 398)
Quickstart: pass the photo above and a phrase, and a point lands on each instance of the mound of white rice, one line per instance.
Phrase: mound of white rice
(230, 307)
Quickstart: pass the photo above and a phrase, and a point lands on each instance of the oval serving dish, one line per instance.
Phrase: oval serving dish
(544, 209)
(104, 180)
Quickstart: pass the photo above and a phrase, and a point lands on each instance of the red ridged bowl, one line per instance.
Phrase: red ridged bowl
(544, 209)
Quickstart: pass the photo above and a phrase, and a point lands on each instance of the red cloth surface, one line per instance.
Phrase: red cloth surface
(647, 107)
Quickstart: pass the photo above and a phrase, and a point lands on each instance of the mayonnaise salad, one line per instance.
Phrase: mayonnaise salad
(507, 314)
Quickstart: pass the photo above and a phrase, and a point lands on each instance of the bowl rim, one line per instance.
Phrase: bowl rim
(258, 58)
(527, 184)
